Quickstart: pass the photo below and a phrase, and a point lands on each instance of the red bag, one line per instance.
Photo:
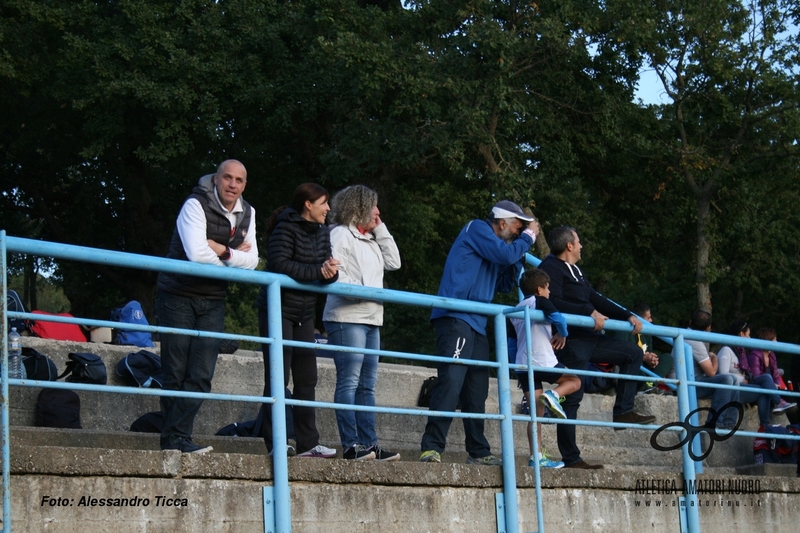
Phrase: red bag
(57, 330)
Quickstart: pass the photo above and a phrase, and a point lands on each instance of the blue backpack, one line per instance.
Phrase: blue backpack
(141, 369)
(131, 313)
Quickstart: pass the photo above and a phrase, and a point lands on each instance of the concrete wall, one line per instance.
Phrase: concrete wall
(223, 492)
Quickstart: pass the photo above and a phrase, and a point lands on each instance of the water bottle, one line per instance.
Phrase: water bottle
(16, 370)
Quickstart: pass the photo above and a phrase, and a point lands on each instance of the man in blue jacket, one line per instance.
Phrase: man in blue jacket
(487, 256)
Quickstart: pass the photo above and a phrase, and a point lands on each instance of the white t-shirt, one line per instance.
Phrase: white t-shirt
(543, 354)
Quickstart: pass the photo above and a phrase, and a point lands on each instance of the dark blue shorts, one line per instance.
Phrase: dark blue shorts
(538, 378)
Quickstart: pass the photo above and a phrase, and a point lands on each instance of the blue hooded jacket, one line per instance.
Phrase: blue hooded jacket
(479, 264)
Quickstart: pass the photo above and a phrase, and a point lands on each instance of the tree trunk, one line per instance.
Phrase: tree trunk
(703, 251)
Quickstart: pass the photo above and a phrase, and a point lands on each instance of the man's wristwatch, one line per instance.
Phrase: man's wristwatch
(225, 255)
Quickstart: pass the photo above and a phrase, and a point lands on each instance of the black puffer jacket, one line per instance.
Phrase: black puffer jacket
(298, 248)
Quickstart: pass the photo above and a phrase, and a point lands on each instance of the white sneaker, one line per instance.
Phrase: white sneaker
(320, 451)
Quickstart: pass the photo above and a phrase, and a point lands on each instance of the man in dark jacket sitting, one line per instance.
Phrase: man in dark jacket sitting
(572, 294)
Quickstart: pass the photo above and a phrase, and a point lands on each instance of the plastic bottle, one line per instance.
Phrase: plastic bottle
(16, 370)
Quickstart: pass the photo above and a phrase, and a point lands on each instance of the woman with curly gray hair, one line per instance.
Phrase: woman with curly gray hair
(364, 248)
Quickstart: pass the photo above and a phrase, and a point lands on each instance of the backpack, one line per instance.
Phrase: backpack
(149, 423)
(251, 428)
(772, 448)
(131, 313)
(38, 366)
(426, 391)
(228, 346)
(59, 331)
(85, 368)
(141, 369)
(58, 408)
(15, 303)
(597, 384)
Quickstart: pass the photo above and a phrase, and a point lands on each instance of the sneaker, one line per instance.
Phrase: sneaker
(320, 451)
(430, 456)
(489, 460)
(633, 418)
(382, 454)
(357, 452)
(185, 445)
(654, 390)
(782, 406)
(549, 400)
(545, 461)
(290, 451)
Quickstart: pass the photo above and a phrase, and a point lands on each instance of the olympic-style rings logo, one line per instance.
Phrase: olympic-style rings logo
(693, 431)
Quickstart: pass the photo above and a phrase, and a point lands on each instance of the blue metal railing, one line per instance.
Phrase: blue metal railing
(279, 499)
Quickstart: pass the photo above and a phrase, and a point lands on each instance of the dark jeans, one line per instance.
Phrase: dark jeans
(600, 349)
(188, 362)
(763, 402)
(467, 385)
(302, 363)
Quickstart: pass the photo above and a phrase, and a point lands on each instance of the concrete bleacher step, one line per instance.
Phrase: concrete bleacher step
(107, 417)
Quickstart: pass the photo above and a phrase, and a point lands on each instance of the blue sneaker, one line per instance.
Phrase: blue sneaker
(545, 461)
(549, 400)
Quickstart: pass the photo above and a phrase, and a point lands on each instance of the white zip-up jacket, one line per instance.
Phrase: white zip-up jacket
(363, 259)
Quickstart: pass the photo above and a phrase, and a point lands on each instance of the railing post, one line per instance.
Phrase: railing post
(537, 470)
(506, 425)
(4, 418)
(280, 463)
(684, 408)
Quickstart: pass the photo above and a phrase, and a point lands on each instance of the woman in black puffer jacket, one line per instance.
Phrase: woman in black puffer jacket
(299, 246)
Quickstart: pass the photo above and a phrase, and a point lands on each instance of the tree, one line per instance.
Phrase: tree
(730, 71)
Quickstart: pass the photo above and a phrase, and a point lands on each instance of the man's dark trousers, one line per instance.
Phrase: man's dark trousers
(459, 384)
(188, 362)
(598, 349)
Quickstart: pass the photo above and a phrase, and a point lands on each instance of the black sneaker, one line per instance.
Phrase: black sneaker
(359, 453)
(185, 445)
(633, 418)
(384, 455)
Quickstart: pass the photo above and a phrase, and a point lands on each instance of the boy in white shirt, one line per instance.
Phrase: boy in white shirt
(535, 286)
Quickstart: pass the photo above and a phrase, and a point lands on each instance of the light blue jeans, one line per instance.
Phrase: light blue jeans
(356, 375)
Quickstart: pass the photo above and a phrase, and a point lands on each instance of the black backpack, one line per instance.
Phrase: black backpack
(85, 368)
(58, 408)
(426, 391)
(250, 428)
(38, 366)
(15, 303)
(141, 369)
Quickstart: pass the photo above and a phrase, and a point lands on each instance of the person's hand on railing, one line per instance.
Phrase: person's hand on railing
(637, 324)
(599, 320)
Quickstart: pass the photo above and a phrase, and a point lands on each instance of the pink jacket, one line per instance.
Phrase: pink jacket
(756, 360)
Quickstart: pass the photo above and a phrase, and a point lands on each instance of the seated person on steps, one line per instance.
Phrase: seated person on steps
(733, 360)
